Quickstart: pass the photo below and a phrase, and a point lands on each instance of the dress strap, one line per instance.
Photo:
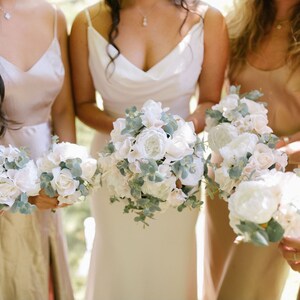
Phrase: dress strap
(88, 17)
(202, 10)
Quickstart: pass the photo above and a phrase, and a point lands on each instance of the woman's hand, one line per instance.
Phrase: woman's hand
(42, 201)
(290, 250)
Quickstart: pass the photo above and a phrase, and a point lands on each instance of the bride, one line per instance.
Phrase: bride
(131, 51)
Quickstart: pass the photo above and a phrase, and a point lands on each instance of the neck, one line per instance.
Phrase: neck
(284, 8)
(141, 3)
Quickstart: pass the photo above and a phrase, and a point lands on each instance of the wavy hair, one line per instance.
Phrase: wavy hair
(115, 7)
(3, 120)
(250, 21)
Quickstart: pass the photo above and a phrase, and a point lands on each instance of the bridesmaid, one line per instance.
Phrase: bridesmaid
(131, 51)
(265, 55)
(37, 104)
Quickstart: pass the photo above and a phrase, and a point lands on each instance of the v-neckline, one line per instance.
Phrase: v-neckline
(158, 62)
(36, 62)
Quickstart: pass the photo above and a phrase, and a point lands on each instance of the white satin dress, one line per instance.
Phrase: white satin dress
(130, 262)
(31, 244)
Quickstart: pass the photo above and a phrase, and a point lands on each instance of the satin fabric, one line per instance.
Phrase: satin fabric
(244, 271)
(31, 244)
(129, 261)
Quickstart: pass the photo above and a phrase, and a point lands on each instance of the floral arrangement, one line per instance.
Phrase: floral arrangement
(245, 164)
(153, 161)
(67, 171)
(18, 180)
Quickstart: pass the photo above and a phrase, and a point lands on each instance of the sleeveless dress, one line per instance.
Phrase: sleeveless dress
(130, 262)
(30, 244)
(251, 272)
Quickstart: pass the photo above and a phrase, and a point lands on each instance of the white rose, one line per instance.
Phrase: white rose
(243, 124)
(161, 189)
(185, 131)
(254, 107)
(151, 143)
(195, 176)
(116, 183)
(254, 201)
(11, 153)
(116, 135)
(176, 197)
(123, 148)
(26, 179)
(259, 124)
(225, 182)
(45, 165)
(8, 191)
(152, 112)
(221, 135)
(177, 148)
(210, 123)
(228, 103)
(63, 151)
(262, 157)
(88, 168)
(63, 182)
(239, 147)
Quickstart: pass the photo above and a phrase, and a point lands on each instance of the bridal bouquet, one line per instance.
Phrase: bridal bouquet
(153, 161)
(67, 171)
(242, 141)
(18, 180)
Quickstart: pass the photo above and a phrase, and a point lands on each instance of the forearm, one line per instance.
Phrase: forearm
(94, 117)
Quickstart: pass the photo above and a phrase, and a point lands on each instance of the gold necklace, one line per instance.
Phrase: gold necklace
(6, 14)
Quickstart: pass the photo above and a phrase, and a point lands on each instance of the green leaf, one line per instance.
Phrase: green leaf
(275, 231)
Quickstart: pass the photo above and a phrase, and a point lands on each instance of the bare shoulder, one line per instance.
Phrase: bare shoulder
(214, 17)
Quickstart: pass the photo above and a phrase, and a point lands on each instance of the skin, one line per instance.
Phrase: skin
(32, 24)
(145, 47)
(290, 250)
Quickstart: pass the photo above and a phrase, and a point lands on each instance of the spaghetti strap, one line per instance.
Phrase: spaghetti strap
(55, 21)
(88, 17)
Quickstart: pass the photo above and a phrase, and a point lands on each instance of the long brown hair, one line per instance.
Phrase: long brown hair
(3, 120)
(115, 7)
(250, 21)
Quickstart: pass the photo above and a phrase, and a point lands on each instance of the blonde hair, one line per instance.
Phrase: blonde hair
(249, 22)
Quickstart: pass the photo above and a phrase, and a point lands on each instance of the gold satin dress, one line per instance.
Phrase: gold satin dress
(245, 271)
(30, 244)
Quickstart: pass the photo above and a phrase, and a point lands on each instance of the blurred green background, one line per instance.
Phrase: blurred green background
(75, 216)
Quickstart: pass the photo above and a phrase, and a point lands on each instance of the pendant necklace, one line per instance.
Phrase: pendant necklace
(145, 16)
(6, 14)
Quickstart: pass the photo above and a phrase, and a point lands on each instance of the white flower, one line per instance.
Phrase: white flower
(281, 159)
(225, 182)
(254, 107)
(45, 165)
(239, 147)
(221, 135)
(176, 197)
(123, 148)
(8, 191)
(151, 144)
(106, 161)
(63, 151)
(116, 135)
(262, 157)
(70, 199)
(195, 176)
(26, 179)
(88, 168)
(259, 123)
(227, 104)
(210, 123)
(185, 132)
(152, 112)
(161, 189)
(254, 201)
(116, 183)
(63, 182)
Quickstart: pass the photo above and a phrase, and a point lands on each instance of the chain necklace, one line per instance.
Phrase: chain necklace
(280, 24)
(145, 16)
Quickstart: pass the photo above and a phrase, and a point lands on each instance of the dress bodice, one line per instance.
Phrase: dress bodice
(29, 96)
(281, 92)
(172, 80)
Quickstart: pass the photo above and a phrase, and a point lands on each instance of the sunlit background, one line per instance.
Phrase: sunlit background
(78, 224)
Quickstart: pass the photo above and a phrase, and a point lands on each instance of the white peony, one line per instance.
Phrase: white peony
(227, 104)
(221, 135)
(8, 191)
(63, 182)
(116, 135)
(152, 112)
(254, 201)
(177, 148)
(123, 148)
(70, 199)
(185, 131)
(151, 144)
(88, 168)
(239, 147)
(259, 123)
(161, 189)
(262, 157)
(45, 165)
(254, 107)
